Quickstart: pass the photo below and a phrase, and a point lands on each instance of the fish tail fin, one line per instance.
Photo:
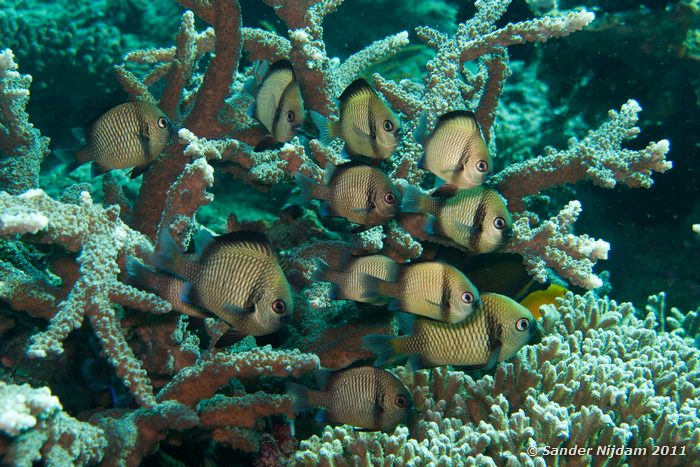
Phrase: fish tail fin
(307, 186)
(326, 129)
(387, 348)
(70, 158)
(300, 396)
(139, 274)
(372, 287)
(320, 274)
(421, 132)
(413, 200)
(168, 256)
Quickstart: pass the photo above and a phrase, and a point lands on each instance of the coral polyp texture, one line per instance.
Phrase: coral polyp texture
(114, 348)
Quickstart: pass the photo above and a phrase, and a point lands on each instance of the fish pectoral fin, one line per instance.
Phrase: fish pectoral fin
(239, 310)
(189, 295)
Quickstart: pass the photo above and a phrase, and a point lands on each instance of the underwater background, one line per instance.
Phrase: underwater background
(589, 111)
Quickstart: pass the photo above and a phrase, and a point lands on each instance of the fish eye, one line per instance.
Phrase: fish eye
(162, 122)
(279, 307)
(522, 324)
(499, 223)
(390, 198)
(388, 125)
(401, 401)
(482, 166)
(467, 297)
(291, 116)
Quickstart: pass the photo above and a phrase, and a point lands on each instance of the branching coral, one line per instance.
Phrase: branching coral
(22, 148)
(103, 241)
(602, 377)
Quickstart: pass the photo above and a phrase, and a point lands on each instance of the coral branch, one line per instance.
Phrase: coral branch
(599, 158)
(103, 240)
(552, 245)
(22, 148)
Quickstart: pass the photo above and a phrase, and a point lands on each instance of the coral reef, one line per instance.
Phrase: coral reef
(603, 376)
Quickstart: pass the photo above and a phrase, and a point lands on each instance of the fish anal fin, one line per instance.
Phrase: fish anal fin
(96, 170)
(136, 171)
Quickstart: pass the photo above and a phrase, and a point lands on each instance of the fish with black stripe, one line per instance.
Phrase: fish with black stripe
(278, 103)
(476, 219)
(348, 279)
(366, 124)
(235, 277)
(432, 289)
(132, 134)
(456, 151)
(494, 334)
(361, 193)
(368, 398)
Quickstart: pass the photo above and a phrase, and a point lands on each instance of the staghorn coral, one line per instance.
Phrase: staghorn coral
(601, 377)
(38, 429)
(22, 148)
(548, 394)
(103, 241)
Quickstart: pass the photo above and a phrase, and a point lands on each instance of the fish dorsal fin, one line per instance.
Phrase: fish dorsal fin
(446, 190)
(456, 115)
(322, 377)
(279, 65)
(202, 241)
(357, 88)
(253, 240)
(331, 171)
(328, 173)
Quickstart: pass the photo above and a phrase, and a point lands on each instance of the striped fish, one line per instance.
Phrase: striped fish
(366, 124)
(278, 103)
(365, 397)
(358, 192)
(432, 289)
(234, 276)
(348, 279)
(477, 218)
(456, 151)
(132, 134)
(495, 334)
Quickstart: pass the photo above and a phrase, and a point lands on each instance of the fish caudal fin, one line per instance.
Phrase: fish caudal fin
(326, 132)
(413, 200)
(385, 347)
(168, 257)
(421, 132)
(137, 271)
(307, 187)
(70, 158)
(300, 396)
(372, 287)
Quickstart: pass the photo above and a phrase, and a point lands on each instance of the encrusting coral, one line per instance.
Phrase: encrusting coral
(601, 377)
